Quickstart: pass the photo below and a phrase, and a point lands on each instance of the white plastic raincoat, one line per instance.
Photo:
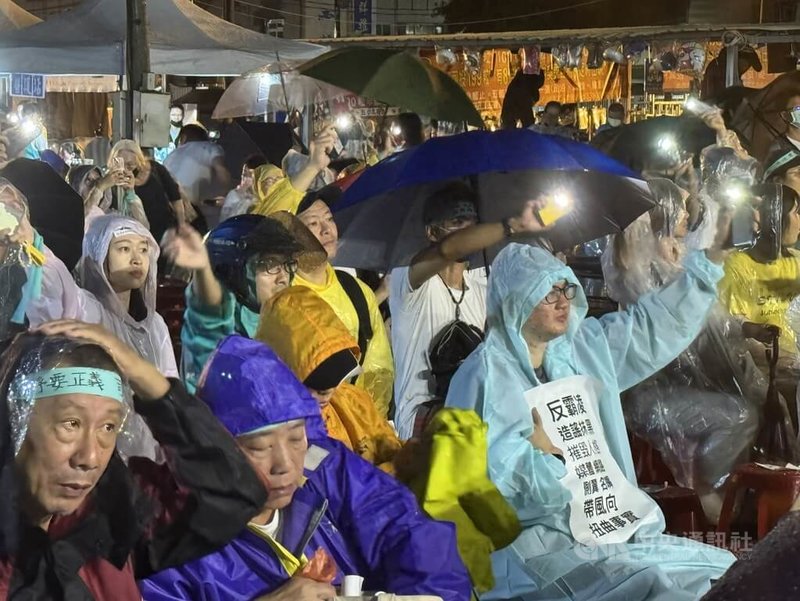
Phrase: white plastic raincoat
(94, 301)
(619, 350)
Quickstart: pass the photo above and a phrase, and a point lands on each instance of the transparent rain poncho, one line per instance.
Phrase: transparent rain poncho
(14, 285)
(701, 411)
(36, 367)
(90, 297)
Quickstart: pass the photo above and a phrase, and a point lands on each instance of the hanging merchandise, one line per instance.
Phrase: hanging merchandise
(613, 54)
(691, 57)
(472, 60)
(595, 59)
(668, 61)
(574, 55)
(529, 59)
(633, 50)
(697, 58)
(560, 55)
(445, 57)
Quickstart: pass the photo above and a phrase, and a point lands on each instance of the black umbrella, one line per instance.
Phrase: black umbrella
(657, 143)
(56, 209)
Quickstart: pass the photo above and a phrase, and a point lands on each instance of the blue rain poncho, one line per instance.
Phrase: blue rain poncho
(372, 526)
(620, 350)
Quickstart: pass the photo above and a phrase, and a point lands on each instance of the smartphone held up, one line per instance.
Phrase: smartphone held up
(758, 216)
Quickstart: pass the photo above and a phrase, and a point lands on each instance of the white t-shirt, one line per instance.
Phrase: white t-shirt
(191, 166)
(272, 529)
(417, 317)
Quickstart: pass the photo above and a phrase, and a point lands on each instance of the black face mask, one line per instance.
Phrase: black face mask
(176, 123)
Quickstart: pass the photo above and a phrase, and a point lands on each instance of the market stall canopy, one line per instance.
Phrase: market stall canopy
(13, 17)
(777, 32)
(184, 40)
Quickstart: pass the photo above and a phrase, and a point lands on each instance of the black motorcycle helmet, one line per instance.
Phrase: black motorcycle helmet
(235, 241)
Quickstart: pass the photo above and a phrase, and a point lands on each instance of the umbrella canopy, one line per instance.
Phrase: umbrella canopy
(273, 87)
(396, 79)
(13, 17)
(184, 39)
(641, 145)
(380, 214)
(758, 119)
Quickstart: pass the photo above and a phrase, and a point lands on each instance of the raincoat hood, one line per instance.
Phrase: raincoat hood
(521, 277)
(248, 389)
(304, 330)
(91, 273)
(263, 173)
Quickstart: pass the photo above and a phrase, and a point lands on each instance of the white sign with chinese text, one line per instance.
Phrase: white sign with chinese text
(605, 508)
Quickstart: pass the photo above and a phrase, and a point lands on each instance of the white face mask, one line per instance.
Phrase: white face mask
(614, 122)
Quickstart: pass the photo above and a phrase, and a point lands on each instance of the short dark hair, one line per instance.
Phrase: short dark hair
(444, 200)
(411, 127)
(616, 107)
(193, 133)
(177, 105)
(255, 160)
(329, 194)
(553, 104)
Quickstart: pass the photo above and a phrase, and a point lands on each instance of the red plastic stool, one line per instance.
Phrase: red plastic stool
(775, 492)
(683, 512)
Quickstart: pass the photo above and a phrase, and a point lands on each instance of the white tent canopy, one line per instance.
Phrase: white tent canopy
(15, 17)
(184, 40)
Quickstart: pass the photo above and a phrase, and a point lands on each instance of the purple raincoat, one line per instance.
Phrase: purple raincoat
(373, 526)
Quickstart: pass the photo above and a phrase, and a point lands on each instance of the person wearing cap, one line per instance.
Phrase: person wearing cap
(306, 333)
(288, 188)
(77, 522)
(243, 263)
(351, 299)
(323, 500)
(438, 287)
(783, 167)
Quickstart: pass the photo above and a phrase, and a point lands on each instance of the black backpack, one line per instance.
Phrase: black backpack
(449, 349)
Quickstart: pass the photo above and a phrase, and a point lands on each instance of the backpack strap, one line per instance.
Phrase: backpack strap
(356, 295)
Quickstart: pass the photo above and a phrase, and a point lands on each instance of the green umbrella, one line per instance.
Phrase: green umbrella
(396, 79)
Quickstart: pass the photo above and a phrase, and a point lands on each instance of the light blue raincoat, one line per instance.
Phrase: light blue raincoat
(620, 350)
(204, 327)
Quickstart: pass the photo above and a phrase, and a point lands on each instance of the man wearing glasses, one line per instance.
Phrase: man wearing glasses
(243, 263)
(547, 381)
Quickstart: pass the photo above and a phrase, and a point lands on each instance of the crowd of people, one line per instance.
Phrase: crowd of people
(444, 431)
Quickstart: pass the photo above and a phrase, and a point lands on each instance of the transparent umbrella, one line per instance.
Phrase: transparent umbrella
(274, 87)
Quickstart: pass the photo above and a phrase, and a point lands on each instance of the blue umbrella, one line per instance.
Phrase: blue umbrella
(380, 214)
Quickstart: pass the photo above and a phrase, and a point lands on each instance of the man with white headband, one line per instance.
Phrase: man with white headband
(76, 523)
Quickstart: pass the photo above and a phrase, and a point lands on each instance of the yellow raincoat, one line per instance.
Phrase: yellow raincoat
(304, 331)
(378, 376)
(456, 488)
(761, 292)
(281, 196)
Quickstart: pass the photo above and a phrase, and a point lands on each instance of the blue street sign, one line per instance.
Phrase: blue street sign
(362, 17)
(29, 85)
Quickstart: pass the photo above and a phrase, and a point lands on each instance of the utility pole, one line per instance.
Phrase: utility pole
(138, 57)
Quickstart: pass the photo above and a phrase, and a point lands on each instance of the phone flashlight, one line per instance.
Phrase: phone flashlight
(344, 122)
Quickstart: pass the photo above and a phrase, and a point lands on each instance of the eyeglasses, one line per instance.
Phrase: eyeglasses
(569, 291)
(274, 267)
